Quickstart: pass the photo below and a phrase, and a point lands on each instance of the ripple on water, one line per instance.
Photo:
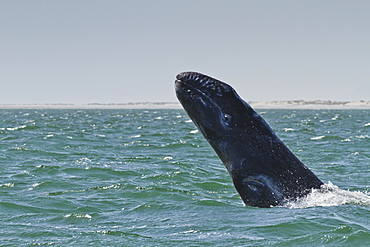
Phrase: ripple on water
(148, 177)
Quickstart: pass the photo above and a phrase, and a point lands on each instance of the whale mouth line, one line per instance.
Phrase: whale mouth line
(192, 92)
(191, 89)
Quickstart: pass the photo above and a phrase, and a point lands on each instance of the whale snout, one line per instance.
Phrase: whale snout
(203, 83)
(188, 76)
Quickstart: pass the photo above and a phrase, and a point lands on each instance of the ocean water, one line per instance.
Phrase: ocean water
(149, 178)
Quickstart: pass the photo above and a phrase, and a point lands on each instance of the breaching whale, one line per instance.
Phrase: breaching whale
(263, 169)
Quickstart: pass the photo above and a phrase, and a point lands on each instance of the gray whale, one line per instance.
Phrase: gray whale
(263, 169)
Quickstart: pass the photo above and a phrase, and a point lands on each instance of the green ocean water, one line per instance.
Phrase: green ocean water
(149, 178)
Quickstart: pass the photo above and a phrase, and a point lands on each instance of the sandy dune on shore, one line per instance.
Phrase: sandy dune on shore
(292, 104)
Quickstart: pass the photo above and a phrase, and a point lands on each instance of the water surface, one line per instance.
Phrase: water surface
(149, 178)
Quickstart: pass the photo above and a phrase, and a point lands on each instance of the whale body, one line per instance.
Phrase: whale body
(263, 169)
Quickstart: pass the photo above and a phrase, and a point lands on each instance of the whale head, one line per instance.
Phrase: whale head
(219, 113)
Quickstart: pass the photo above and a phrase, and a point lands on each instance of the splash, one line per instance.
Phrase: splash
(330, 195)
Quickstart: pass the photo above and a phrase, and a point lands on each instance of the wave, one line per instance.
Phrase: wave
(330, 195)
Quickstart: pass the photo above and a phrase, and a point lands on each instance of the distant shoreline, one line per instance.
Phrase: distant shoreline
(289, 104)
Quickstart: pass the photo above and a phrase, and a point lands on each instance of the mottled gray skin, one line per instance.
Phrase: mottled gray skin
(264, 171)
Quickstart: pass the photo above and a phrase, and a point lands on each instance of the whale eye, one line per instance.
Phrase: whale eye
(227, 119)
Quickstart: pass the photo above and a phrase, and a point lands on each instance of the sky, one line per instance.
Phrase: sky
(89, 51)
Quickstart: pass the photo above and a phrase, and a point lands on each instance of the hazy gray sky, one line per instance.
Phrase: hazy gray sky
(76, 51)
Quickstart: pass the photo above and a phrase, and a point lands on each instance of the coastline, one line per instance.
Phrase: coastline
(291, 104)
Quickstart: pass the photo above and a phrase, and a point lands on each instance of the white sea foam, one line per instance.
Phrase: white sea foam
(330, 195)
(317, 138)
